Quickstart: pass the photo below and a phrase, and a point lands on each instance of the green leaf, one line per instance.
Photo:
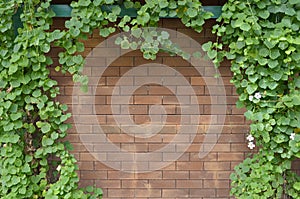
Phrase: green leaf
(36, 93)
(207, 46)
(163, 3)
(63, 127)
(251, 88)
(296, 100)
(264, 14)
(192, 12)
(12, 69)
(273, 63)
(45, 48)
(294, 2)
(212, 54)
(125, 44)
(274, 54)
(84, 3)
(89, 189)
(104, 32)
(45, 128)
(297, 186)
(47, 141)
(8, 127)
(15, 116)
(264, 52)
(245, 27)
(136, 32)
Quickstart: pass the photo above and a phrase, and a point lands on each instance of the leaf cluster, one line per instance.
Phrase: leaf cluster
(261, 38)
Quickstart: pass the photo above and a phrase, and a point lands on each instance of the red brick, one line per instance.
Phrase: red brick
(147, 99)
(197, 193)
(175, 174)
(121, 193)
(216, 166)
(135, 183)
(189, 183)
(88, 175)
(147, 193)
(203, 175)
(162, 183)
(108, 183)
(216, 183)
(175, 193)
(190, 166)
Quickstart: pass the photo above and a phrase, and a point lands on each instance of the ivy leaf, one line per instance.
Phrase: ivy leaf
(45, 48)
(12, 69)
(274, 54)
(192, 12)
(212, 54)
(84, 3)
(273, 63)
(36, 93)
(207, 46)
(296, 100)
(45, 128)
(63, 127)
(245, 27)
(125, 44)
(264, 52)
(15, 116)
(297, 186)
(251, 88)
(47, 141)
(264, 14)
(136, 32)
(163, 3)
(104, 32)
(8, 127)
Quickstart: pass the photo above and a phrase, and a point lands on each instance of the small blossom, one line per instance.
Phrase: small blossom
(58, 168)
(250, 138)
(251, 98)
(251, 145)
(292, 137)
(257, 95)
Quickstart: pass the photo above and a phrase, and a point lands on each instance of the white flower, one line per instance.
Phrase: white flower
(250, 138)
(251, 145)
(257, 95)
(251, 98)
(292, 137)
(58, 168)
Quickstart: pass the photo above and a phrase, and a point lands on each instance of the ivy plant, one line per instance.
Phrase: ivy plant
(34, 162)
(31, 121)
(262, 40)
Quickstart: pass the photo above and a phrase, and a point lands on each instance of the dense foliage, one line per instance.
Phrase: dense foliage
(35, 163)
(260, 37)
(262, 40)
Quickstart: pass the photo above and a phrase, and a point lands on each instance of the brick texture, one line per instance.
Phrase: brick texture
(188, 176)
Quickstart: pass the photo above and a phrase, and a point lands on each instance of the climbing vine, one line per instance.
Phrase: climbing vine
(35, 163)
(262, 40)
(260, 37)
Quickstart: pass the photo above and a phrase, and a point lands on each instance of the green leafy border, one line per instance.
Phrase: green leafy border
(262, 40)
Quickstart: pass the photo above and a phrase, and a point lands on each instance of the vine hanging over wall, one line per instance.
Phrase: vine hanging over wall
(262, 37)
(35, 163)
(263, 42)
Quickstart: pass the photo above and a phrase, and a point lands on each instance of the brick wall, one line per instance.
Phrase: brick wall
(187, 177)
